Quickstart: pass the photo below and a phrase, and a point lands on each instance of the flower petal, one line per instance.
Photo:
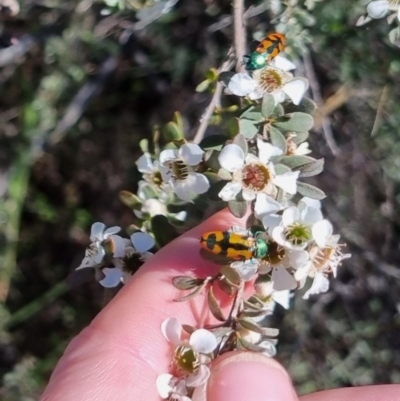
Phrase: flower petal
(163, 385)
(110, 231)
(231, 157)
(311, 215)
(246, 269)
(242, 84)
(297, 258)
(320, 284)
(283, 63)
(290, 215)
(265, 205)
(271, 221)
(311, 202)
(229, 191)
(200, 377)
(194, 184)
(282, 279)
(113, 277)
(118, 246)
(166, 174)
(282, 298)
(266, 151)
(248, 195)
(295, 89)
(96, 232)
(377, 9)
(142, 242)
(321, 231)
(171, 329)
(144, 163)
(270, 349)
(203, 341)
(191, 153)
(287, 181)
(168, 155)
(302, 272)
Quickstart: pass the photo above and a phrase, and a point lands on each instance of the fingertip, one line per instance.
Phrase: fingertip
(238, 376)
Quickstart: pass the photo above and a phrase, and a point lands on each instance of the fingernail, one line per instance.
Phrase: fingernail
(249, 376)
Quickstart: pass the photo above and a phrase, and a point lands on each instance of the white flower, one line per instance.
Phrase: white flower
(150, 170)
(380, 8)
(99, 236)
(139, 245)
(177, 170)
(293, 149)
(275, 80)
(324, 260)
(190, 356)
(171, 388)
(269, 296)
(298, 227)
(255, 177)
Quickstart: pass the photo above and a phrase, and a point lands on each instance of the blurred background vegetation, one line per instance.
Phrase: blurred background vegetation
(82, 81)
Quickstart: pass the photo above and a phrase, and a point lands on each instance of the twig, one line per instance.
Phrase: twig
(239, 33)
(379, 111)
(316, 92)
(205, 119)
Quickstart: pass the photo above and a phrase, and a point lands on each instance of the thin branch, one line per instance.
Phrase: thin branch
(380, 110)
(316, 92)
(215, 100)
(239, 33)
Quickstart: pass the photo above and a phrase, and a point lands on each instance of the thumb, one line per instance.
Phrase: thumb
(243, 376)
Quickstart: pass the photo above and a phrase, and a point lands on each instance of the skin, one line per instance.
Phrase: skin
(120, 354)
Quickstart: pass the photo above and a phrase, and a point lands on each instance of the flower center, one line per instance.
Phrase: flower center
(179, 169)
(276, 253)
(255, 176)
(270, 79)
(297, 234)
(186, 359)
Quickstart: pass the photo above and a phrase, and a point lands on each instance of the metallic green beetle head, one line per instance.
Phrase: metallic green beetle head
(262, 249)
(256, 61)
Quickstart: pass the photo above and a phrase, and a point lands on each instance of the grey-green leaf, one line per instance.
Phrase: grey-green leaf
(238, 208)
(249, 324)
(277, 138)
(268, 105)
(300, 137)
(213, 141)
(311, 169)
(214, 307)
(296, 122)
(186, 282)
(215, 189)
(248, 128)
(240, 140)
(281, 169)
(192, 294)
(310, 191)
(296, 160)
(306, 105)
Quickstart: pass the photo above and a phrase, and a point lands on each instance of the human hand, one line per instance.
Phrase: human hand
(119, 356)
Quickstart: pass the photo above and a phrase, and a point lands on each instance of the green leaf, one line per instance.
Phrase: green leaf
(213, 141)
(394, 36)
(233, 127)
(252, 113)
(129, 199)
(294, 122)
(248, 128)
(281, 169)
(277, 138)
(296, 160)
(268, 105)
(278, 111)
(240, 140)
(310, 191)
(214, 307)
(306, 105)
(144, 145)
(249, 324)
(203, 86)
(231, 275)
(237, 208)
(172, 132)
(300, 137)
(212, 74)
(310, 169)
(192, 294)
(163, 230)
(211, 159)
(186, 282)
